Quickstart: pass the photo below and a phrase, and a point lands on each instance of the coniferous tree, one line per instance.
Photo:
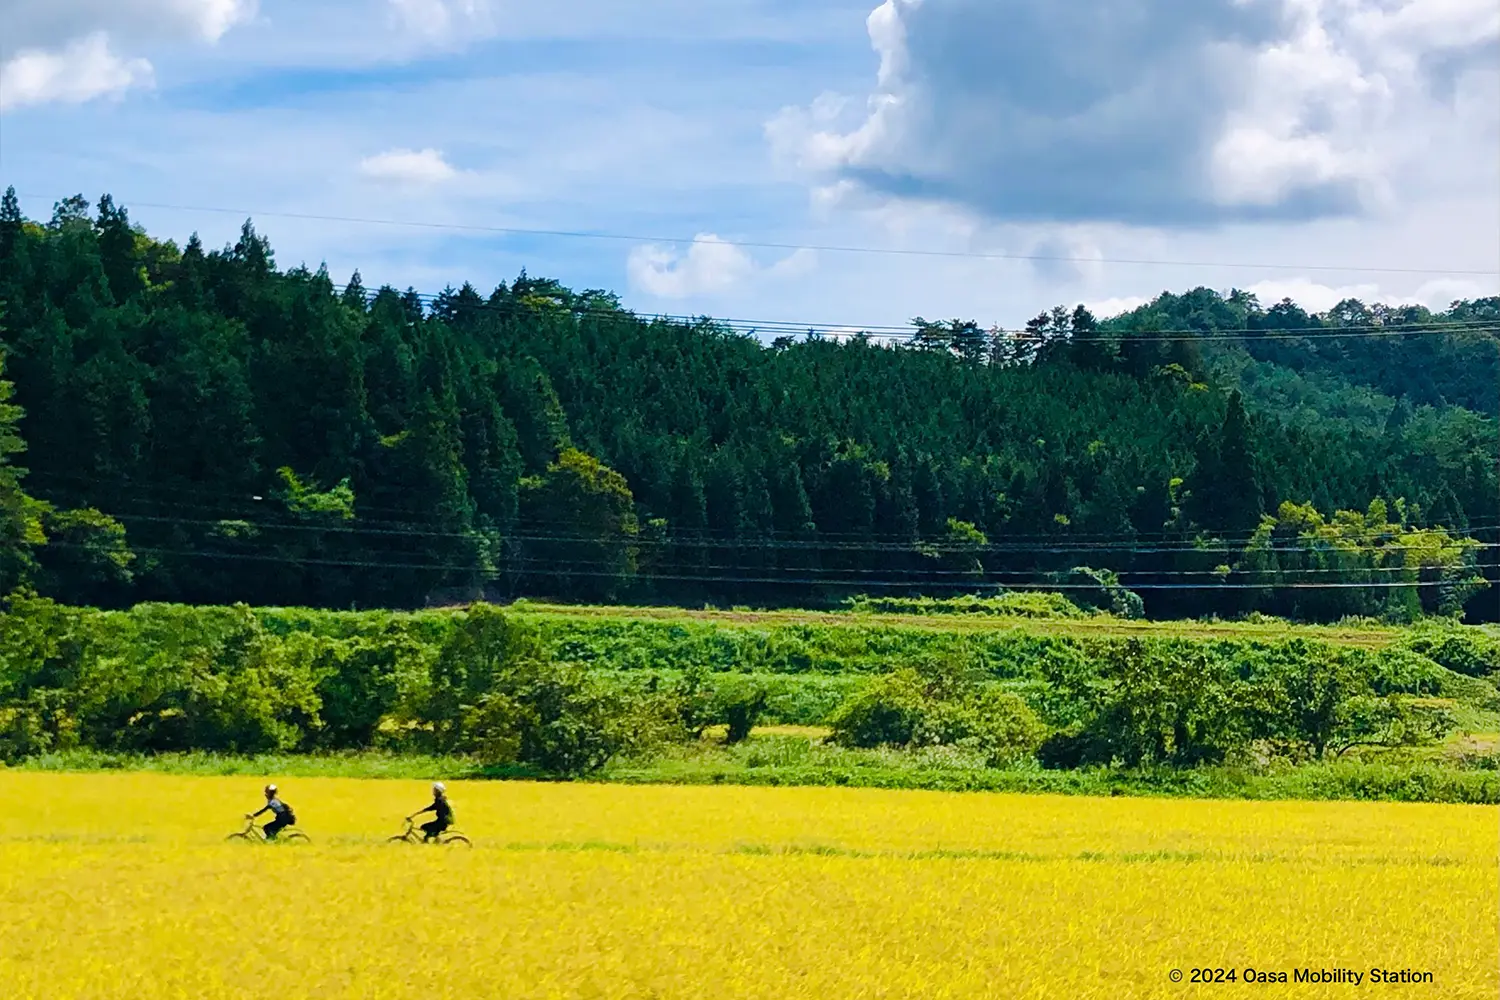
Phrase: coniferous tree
(172, 390)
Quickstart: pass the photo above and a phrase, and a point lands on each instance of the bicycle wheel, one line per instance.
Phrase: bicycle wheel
(297, 837)
(457, 838)
(400, 838)
(239, 836)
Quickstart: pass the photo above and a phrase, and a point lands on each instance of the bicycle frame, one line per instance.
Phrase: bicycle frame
(252, 831)
(410, 835)
(255, 833)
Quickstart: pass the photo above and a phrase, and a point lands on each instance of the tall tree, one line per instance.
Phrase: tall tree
(1225, 486)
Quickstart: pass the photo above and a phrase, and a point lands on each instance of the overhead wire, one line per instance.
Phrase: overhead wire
(525, 529)
(553, 569)
(1122, 547)
(1023, 335)
(883, 332)
(908, 332)
(771, 245)
(1211, 540)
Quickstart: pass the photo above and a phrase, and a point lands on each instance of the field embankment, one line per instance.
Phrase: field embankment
(1367, 635)
(966, 701)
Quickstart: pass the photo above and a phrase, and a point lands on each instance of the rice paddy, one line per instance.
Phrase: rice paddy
(121, 885)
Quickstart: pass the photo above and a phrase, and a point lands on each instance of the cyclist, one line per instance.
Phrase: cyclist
(281, 814)
(442, 811)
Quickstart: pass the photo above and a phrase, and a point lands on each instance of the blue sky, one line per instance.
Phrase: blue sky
(1328, 137)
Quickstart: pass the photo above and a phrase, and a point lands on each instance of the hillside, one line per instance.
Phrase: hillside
(203, 426)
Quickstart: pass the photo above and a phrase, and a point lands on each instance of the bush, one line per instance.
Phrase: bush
(739, 702)
(1401, 671)
(1067, 749)
(494, 694)
(483, 647)
(1027, 604)
(940, 706)
(1004, 727)
(1465, 651)
(1100, 589)
(360, 681)
(549, 715)
(164, 678)
(887, 711)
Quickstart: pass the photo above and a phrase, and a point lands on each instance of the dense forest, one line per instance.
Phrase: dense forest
(194, 425)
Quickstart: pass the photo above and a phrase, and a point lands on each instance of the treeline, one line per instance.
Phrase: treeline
(567, 698)
(202, 426)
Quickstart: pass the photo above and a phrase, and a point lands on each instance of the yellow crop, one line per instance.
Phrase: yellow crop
(120, 886)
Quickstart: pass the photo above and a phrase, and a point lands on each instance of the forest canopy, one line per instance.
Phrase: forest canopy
(204, 426)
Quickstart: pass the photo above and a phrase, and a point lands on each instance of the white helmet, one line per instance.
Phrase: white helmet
(438, 788)
(270, 789)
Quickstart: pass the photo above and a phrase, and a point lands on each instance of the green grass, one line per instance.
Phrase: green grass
(357, 764)
(779, 760)
(810, 661)
(1369, 636)
(796, 756)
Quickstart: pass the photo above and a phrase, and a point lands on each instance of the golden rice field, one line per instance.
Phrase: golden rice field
(120, 886)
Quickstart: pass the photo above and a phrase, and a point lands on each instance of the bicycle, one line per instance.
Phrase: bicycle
(411, 835)
(256, 835)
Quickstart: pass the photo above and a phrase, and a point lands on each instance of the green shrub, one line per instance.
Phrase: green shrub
(1400, 670)
(1100, 589)
(1004, 727)
(887, 711)
(484, 647)
(739, 702)
(1022, 604)
(939, 705)
(550, 715)
(1465, 651)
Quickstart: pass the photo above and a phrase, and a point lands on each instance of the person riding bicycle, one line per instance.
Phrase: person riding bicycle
(442, 811)
(281, 813)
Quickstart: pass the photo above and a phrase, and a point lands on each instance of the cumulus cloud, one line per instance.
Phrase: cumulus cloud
(1156, 112)
(1106, 308)
(81, 71)
(1065, 257)
(53, 23)
(70, 50)
(710, 266)
(1315, 296)
(406, 166)
(441, 19)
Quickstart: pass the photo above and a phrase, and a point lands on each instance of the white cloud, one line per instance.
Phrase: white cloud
(710, 266)
(1105, 308)
(1066, 256)
(797, 264)
(1270, 146)
(81, 71)
(443, 19)
(1175, 113)
(69, 50)
(52, 23)
(1317, 297)
(406, 166)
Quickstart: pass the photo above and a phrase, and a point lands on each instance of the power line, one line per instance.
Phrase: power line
(914, 546)
(1211, 542)
(887, 332)
(1016, 335)
(765, 245)
(526, 529)
(552, 569)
